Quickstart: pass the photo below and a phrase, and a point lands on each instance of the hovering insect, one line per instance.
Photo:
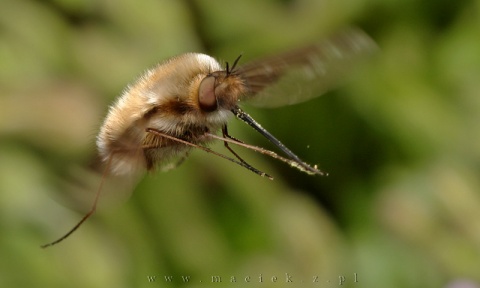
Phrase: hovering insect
(183, 102)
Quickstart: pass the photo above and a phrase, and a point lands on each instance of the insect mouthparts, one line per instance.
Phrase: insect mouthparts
(180, 105)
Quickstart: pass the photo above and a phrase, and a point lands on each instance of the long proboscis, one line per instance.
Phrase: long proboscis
(293, 159)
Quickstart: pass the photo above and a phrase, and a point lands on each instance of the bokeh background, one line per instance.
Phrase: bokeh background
(400, 139)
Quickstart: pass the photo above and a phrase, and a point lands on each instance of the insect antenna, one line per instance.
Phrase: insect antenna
(232, 70)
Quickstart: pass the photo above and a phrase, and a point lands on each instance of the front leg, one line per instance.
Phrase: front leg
(250, 167)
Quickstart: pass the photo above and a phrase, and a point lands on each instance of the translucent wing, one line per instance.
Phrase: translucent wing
(305, 73)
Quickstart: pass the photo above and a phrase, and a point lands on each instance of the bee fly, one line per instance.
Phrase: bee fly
(183, 102)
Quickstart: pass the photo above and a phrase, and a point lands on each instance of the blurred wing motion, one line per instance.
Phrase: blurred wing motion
(79, 184)
(305, 73)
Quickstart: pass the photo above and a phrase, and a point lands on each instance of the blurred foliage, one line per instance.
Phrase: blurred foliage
(400, 139)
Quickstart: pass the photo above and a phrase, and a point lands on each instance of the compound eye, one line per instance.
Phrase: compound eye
(206, 94)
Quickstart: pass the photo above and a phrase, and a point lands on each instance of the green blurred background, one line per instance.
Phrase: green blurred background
(400, 139)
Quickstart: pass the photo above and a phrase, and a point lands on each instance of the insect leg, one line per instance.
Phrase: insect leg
(226, 135)
(89, 213)
(243, 164)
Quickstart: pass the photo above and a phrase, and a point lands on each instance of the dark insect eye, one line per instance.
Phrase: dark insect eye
(206, 94)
